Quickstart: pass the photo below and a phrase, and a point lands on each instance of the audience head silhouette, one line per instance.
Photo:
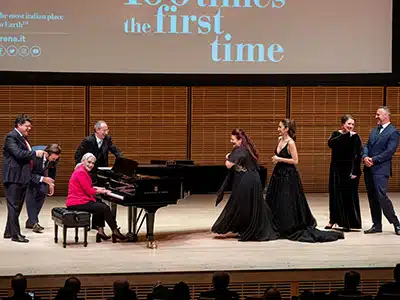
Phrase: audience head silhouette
(351, 280)
(73, 284)
(272, 294)
(180, 291)
(221, 280)
(122, 290)
(19, 284)
(396, 273)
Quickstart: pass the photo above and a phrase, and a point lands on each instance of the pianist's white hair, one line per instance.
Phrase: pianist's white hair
(86, 157)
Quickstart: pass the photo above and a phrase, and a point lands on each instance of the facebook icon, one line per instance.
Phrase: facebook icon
(2, 50)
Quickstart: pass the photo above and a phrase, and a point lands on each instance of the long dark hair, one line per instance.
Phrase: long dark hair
(291, 126)
(246, 142)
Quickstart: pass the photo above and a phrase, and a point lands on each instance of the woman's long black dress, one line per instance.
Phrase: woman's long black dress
(285, 197)
(246, 212)
(344, 204)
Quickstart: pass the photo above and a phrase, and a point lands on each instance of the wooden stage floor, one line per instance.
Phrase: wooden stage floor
(186, 244)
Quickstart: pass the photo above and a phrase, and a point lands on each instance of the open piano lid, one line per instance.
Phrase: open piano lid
(125, 166)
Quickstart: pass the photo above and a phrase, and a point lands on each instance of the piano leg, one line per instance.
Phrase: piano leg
(132, 220)
(151, 243)
(134, 223)
(130, 213)
(114, 209)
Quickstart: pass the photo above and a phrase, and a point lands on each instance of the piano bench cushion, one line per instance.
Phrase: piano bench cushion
(70, 218)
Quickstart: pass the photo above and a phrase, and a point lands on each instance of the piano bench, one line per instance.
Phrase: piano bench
(66, 218)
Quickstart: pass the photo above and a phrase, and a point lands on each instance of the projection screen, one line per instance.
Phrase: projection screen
(197, 36)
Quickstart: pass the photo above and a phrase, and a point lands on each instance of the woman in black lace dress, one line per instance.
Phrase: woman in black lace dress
(246, 213)
(285, 195)
(344, 176)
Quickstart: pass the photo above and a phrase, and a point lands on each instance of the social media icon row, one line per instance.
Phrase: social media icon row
(23, 51)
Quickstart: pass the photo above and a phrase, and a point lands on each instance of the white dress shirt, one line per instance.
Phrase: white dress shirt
(383, 127)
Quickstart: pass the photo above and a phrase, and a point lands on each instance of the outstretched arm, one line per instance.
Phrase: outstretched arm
(336, 138)
(113, 149)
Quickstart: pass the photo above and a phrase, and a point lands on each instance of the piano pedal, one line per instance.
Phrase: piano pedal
(152, 244)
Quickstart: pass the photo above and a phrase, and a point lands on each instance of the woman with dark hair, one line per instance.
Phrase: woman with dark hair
(285, 194)
(344, 176)
(246, 212)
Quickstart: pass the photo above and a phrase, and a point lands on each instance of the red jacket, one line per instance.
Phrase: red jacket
(80, 189)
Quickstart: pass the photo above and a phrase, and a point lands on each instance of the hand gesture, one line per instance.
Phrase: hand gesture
(51, 190)
(48, 180)
(275, 159)
(227, 156)
(368, 162)
(39, 153)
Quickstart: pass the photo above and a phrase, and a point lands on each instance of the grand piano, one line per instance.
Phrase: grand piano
(138, 191)
(148, 187)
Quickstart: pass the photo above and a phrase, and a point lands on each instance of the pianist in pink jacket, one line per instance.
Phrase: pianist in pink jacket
(81, 197)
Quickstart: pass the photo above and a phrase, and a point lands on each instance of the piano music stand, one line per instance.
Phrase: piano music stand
(125, 166)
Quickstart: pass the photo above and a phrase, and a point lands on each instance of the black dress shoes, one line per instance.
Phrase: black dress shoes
(373, 229)
(32, 226)
(20, 239)
(37, 228)
(7, 236)
(397, 229)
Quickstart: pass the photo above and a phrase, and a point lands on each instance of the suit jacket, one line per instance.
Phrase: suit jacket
(381, 148)
(16, 159)
(40, 169)
(89, 144)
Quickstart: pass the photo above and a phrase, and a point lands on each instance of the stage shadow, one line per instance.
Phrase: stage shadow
(172, 237)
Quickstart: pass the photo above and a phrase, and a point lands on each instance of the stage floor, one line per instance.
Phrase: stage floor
(186, 244)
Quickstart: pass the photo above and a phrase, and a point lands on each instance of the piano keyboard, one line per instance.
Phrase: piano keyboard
(116, 196)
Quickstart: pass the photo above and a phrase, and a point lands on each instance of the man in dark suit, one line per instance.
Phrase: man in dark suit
(43, 174)
(377, 156)
(99, 144)
(17, 166)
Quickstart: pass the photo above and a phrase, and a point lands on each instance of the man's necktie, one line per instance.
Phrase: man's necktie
(30, 149)
(379, 129)
(46, 167)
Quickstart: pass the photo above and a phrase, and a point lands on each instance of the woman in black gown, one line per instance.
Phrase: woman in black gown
(285, 195)
(344, 176)
(246, 213)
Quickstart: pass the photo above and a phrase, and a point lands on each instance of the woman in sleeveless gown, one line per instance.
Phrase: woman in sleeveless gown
(246, 213)
(285, 195)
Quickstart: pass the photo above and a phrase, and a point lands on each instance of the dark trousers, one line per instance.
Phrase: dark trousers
(101, 212)
(378, 200)
(15, 195)
(35, 197)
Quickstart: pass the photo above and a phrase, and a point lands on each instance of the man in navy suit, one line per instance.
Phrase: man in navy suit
(41, 184)
(377, 156)
(17, 172)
